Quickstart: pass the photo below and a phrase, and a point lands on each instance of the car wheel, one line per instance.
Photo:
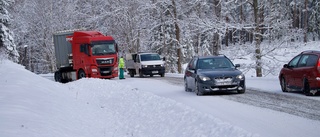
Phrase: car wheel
(198, 92)
(162, 74)
(151, 75)
(306, 88)
(283, 85)
(186, 88)
(81, 74)
(140, 74)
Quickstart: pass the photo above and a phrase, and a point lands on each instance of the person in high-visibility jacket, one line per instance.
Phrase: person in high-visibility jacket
(121, 67)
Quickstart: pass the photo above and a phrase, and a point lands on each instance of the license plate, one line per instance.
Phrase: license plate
(154, 71)
(223, 83)
(105, 72)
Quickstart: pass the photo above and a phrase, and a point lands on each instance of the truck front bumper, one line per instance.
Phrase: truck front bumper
(153, 71)
(106, 72)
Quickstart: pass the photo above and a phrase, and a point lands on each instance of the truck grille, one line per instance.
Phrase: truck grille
(104, 61)
(105, 71)
(154, 66)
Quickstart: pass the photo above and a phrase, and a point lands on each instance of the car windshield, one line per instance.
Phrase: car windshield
(214, 63)
(103, 49)
(149, 57)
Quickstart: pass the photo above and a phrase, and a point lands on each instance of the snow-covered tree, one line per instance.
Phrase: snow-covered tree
(7, 45)
(176, 29)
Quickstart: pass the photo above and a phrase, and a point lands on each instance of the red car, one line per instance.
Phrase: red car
(302, 73)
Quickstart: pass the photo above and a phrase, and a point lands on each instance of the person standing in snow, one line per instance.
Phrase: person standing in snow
(121, 67)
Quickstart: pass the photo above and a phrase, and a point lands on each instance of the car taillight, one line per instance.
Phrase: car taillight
(318, 66)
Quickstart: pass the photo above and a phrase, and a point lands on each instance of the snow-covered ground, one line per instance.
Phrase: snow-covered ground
(34, 106)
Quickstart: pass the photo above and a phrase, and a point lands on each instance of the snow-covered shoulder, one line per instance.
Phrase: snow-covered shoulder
(31, 105)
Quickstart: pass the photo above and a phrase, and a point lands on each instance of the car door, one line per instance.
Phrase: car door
(305, 69)
(190, 73)
(289, 71)
(85, 58)
(300, 71)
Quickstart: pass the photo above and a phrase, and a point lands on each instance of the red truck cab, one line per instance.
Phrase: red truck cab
(93, 55)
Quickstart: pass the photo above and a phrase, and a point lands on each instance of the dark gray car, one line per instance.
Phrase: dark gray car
(213, 73)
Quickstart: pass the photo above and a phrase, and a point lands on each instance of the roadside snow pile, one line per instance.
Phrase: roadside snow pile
(34, 106)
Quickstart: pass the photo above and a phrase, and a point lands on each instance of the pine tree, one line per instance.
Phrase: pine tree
(7, 46)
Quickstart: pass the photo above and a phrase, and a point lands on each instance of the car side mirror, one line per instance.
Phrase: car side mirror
(191, 70)
(164, 58)
(190, 67)
(237, 65)
(286, 66)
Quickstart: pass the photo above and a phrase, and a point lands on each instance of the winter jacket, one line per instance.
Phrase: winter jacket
(121, 63)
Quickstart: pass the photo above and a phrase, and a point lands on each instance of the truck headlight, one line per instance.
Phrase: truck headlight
(94, 70)
(241, 77)
(204, 78)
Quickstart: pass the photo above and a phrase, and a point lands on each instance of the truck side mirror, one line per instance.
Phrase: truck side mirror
(88, 49)
(117, 49)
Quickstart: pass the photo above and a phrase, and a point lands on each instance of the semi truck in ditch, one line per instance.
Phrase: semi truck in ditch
(82, 54)
(145, 63)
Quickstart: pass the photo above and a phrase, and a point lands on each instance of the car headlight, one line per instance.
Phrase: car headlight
(204, 78)
(162, 65)
(241, 77)
(144, 66)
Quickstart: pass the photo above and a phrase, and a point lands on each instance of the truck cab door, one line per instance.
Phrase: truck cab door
(85, 57)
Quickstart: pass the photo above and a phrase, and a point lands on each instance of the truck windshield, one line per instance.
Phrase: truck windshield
(103, 49)
(149, 57)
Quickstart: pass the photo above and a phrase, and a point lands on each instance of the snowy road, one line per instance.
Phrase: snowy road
(264, 113)
(301, 106)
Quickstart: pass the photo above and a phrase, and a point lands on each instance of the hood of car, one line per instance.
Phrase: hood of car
(232, 72)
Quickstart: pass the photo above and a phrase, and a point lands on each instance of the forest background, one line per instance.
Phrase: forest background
(176, 29)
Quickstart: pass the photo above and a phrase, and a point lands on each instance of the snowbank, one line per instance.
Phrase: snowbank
(33, 106)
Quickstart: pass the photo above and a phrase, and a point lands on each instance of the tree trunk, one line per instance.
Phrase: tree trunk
(257, 38)
(227, 38)
(295, 16)
(241, 39)
(177, 35)
(305, 13)
(216, 37)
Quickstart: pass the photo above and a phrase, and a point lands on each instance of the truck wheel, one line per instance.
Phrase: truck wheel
(131, 72)
(57, 76)
(81, 74)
